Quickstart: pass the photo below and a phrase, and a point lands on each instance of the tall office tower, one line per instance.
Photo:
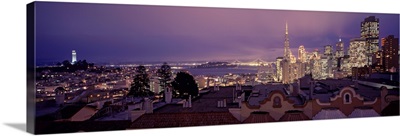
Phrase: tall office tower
(390, 46)
(302, 54)
(286, 62)
(285, 71)
(339, 49)
(358, 53)
(378, 59)
(370, 31)
(339, 53)
(279, 69)
(73, 57)
(324, 64)
(328, 53)
(328, 50)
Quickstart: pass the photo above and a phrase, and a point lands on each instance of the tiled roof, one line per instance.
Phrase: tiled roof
(329, 114)
(161, 120)
(294, 115)
(259, 117)
(363, 113)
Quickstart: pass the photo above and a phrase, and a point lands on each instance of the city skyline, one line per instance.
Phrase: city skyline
(306, 66)
(133, 33)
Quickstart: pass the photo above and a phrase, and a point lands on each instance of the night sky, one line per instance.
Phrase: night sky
(122, 33)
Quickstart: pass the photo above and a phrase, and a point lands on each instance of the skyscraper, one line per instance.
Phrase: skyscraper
(328, 53)
(302, 54)
(390, 46)
(339, 49)
(286, 62)
(328, 50)
(339, 54)
(279, 69)
(73, 57)
(358, 54)
(370, 31)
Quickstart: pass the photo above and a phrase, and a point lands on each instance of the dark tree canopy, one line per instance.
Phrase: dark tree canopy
(140, 85)
(185, 84)
(165, 75)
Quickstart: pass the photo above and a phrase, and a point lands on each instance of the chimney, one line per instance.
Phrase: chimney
(237, 86)
(98, 105)
(224, 104)
(190, 101)
(184, 104)
(311, 89)
(148, 105)
(168, 95)
(60, 97)
(233, 95)
(241, 100)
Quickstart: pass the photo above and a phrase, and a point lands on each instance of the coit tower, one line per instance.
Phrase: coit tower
(73, 57)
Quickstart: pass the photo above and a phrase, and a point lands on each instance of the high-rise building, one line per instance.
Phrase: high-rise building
(339, 49)
(287, 60)
(357, 54)
(370, 32)
(279, 69)
(328, 50)
(390, 46)
(285, 71)
(302, 54)
(328, 53)
(339, 53)
(73, 57)
(378, 59)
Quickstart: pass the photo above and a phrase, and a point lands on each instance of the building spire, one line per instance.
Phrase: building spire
(286, 32)
(287, 52)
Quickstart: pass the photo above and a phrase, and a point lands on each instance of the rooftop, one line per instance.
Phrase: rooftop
(162, 120)
(207, 102)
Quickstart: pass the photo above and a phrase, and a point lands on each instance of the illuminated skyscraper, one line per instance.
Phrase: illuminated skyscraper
(73, 57)
(286, 62)
(357, 54)
(328, 50)
(302, 54)
(339, 54)
(390, 46)
(328, 67)
(279, 69)
(370, 31)
(339, 49)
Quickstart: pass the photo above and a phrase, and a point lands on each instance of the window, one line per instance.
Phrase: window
(347, 99)
(277, 102)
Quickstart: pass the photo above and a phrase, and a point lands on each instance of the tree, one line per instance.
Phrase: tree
(164, 73)
(185, 84)
(140, 85)
(66, 63)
